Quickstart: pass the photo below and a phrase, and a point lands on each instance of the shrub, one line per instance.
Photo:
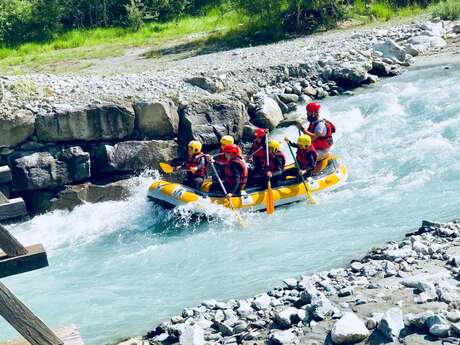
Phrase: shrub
(135, 14)
(447, 10)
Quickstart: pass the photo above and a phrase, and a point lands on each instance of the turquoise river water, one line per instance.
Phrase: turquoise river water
(119, 268)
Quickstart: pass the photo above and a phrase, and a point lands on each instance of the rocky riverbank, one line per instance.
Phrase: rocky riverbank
(402, 293)
(60, 131)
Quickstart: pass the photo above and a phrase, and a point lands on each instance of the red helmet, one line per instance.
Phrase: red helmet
(233, 150)
(260, 132)
(313, 107)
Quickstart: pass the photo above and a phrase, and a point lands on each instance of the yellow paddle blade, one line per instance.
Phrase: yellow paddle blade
(270, 199)
(168, 169)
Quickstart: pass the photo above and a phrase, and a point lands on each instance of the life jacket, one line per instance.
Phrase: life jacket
(260, 157)
(277, 155)
(194, 161)
(230, 177)
(302, 157)
(323, 143)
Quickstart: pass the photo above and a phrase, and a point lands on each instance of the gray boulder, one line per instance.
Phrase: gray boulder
(391, 50)
(91, 123)
(210, 84)
(42, 170)
(349, 329)
(456, 28)
(321, 307)
(282, 338)
(287, 317)
(268, 114)
(423, 43)
(288, 98)
(391, 323)
(136, 155)
(208, 119)
(157, 120)
(350, 74)
(382, 69)
(438, 326)
(16, 127)
(192, 335)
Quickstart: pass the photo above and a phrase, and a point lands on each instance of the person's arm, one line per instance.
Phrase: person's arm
(313, 135)
(279, 166)
(311, 158)
(237, 173)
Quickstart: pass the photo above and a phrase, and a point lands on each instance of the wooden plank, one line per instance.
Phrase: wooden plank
(9, 244)
(5, 174)
(15, 208)
(69, 335)
(24, 321)
(34, 259)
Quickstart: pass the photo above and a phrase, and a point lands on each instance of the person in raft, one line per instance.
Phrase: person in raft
(277, 160)
(196, 165)
(219, 158)
(258, 155)
(320, 130)
(306, 157)
(235, 172)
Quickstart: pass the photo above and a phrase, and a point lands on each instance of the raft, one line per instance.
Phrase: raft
(171, 195)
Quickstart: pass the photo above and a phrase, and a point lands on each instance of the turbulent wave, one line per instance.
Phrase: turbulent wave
(116, 268)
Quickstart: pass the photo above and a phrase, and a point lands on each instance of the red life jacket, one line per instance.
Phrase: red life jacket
(302, 157)
(260, 157)
(230, 177)
(323, 143)
(194, 161)
(275, 156)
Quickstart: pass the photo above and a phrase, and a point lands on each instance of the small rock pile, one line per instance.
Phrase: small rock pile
(401, 293)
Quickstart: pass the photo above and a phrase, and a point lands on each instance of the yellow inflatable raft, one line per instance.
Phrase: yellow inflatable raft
(170, 195)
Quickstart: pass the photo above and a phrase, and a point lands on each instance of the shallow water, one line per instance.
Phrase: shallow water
(118, 268)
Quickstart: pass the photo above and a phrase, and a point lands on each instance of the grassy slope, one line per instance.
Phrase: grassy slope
(73, 50)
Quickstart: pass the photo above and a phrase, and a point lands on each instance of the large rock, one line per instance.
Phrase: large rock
(76, 195)
(208, 119)
(16, 127)
(91, 123)
(192, 335)
(423, 43)
(267, 113)
(456, 28)
(282, 338)
(391, 323)
(349, 329)
(157, 120)
(350, 74)
(210, 84)
(136, 155)
(42, 170)
(287, 316)
(382, 69)
(391, 50)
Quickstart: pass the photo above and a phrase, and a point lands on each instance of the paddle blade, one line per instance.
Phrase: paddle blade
(270, 199)
(168, 169)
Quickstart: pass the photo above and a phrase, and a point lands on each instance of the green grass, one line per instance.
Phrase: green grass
(447, 10)
(383, 11)
(80, 44)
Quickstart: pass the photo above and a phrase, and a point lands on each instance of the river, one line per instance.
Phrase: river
(118, 268)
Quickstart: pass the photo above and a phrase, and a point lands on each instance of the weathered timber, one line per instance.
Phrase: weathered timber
(14, 208)
(5, 174)
(24, 321)
(69, 335)
(35, 259)
(9, 244)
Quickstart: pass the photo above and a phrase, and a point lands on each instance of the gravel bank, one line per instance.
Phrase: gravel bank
(405, 292)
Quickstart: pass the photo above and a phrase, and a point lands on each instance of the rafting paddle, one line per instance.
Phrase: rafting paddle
(235, 212)
(269, 193)
(307, 190)
(167, 169)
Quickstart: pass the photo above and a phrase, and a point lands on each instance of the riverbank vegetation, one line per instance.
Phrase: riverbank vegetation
(36, 32)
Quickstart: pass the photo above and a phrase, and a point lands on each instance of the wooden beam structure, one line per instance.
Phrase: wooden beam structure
(35, 259)
(16, 259)
(24, 321)
(69, 335)
(13, 208)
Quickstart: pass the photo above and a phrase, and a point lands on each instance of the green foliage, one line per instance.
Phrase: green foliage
(135, 15)
(447, 10)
